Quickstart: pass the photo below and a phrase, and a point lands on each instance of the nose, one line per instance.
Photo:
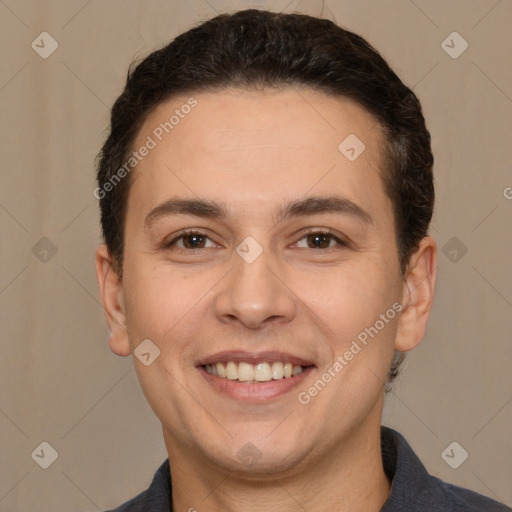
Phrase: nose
(255, 294)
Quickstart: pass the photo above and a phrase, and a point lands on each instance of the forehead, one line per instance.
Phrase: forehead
(259, 146)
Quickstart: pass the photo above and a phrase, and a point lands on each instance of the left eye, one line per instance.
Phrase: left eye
(320, 240)
(191, 241)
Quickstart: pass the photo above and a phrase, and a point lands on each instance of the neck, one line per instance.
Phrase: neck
(350, 478)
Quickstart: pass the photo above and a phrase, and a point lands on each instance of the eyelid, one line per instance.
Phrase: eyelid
(170, 241)
(339, 239)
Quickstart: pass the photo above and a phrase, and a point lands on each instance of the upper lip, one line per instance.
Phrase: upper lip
(239, 356)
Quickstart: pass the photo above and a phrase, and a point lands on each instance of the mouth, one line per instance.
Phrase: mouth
(254, 377)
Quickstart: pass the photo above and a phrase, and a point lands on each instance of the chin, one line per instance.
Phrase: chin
(261, 458)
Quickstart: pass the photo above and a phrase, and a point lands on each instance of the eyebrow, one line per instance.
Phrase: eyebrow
(197, 207)
(213, 210)
(332, 204)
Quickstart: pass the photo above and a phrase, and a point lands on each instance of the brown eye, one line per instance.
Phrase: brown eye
(193, 241)
(319, 240)
(190, 241)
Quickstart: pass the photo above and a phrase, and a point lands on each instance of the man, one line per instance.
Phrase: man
(266, 191)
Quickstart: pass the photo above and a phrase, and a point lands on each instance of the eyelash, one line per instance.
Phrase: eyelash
(183, 234)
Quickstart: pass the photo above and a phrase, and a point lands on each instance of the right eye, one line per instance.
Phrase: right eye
(189, 241)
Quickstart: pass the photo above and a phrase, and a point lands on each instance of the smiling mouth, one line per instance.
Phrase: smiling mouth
(254, 373)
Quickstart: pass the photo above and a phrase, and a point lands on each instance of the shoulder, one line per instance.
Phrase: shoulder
(413, 488)
(157, 497)
(458, 499)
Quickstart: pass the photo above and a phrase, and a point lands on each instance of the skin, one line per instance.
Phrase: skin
(254, 152)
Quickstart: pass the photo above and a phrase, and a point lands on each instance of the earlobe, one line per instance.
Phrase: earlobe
(111, 291)
(417, 296)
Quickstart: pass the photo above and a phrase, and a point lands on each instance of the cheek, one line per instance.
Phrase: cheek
(163, 302)
(350, 303)
(348, 298)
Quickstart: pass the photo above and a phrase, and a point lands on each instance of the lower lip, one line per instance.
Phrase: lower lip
(252, 392)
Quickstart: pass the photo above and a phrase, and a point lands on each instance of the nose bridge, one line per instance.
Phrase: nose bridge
(255, 293)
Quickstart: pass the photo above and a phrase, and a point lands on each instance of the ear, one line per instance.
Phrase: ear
(417, 295)
(111, 291)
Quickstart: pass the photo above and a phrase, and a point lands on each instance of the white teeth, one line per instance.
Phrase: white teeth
(221, 372)
(231, 371)
(277, 371)
(296, 370)
(261, 372)
(245, 372)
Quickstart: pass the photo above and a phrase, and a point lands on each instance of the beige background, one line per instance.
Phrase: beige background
(60, 383)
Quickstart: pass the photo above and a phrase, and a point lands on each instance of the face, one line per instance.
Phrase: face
(261, 260)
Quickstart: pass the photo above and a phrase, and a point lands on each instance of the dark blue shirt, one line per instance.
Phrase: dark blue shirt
(412, 488)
